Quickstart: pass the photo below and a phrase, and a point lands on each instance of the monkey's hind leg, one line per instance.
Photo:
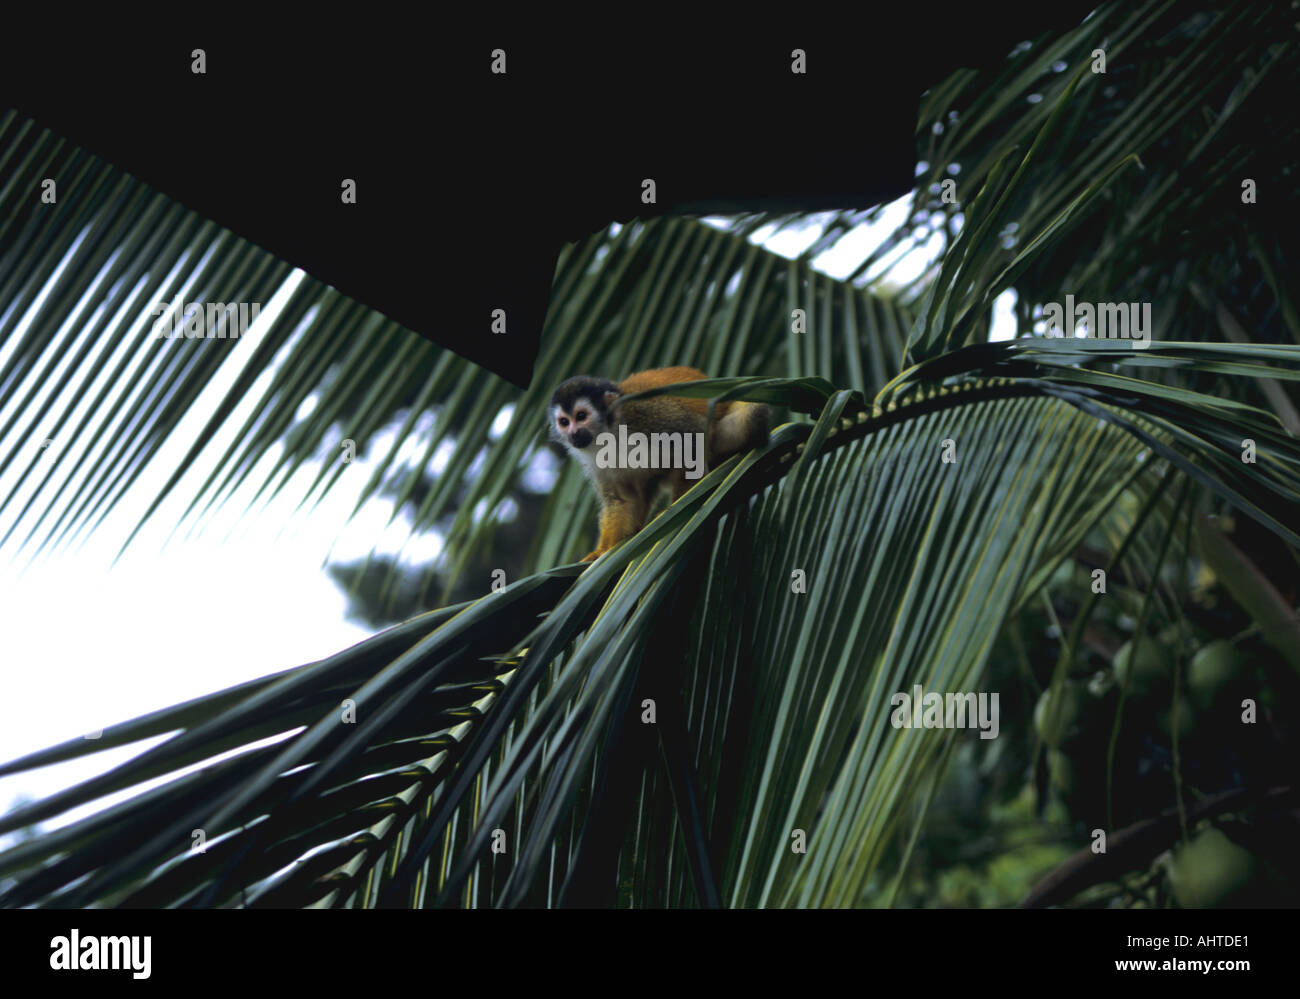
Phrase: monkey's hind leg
(620, 518)
(745, 425)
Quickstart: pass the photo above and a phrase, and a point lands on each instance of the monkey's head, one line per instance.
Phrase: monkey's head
(580, 411)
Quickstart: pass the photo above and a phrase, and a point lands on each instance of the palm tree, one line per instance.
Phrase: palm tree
(701, 717)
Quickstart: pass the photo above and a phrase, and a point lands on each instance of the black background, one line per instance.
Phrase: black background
(469, 182)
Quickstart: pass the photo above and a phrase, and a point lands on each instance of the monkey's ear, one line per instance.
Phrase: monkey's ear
(609, 398)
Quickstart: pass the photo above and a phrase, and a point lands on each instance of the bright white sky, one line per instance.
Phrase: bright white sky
(94, 644)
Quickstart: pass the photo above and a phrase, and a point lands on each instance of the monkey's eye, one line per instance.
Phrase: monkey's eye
(563, 422)
(580, 415)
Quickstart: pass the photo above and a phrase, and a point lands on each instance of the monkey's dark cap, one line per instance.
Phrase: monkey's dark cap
(584, 385)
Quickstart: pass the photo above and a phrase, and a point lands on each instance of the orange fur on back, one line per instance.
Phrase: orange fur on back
(656, 377)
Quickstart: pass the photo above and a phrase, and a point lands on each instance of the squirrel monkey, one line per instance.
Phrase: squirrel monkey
(584, 408)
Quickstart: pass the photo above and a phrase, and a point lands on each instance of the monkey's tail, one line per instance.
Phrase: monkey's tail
(745, 425)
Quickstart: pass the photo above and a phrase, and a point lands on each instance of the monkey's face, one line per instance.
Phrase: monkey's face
(578, 426)
(580, 412)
